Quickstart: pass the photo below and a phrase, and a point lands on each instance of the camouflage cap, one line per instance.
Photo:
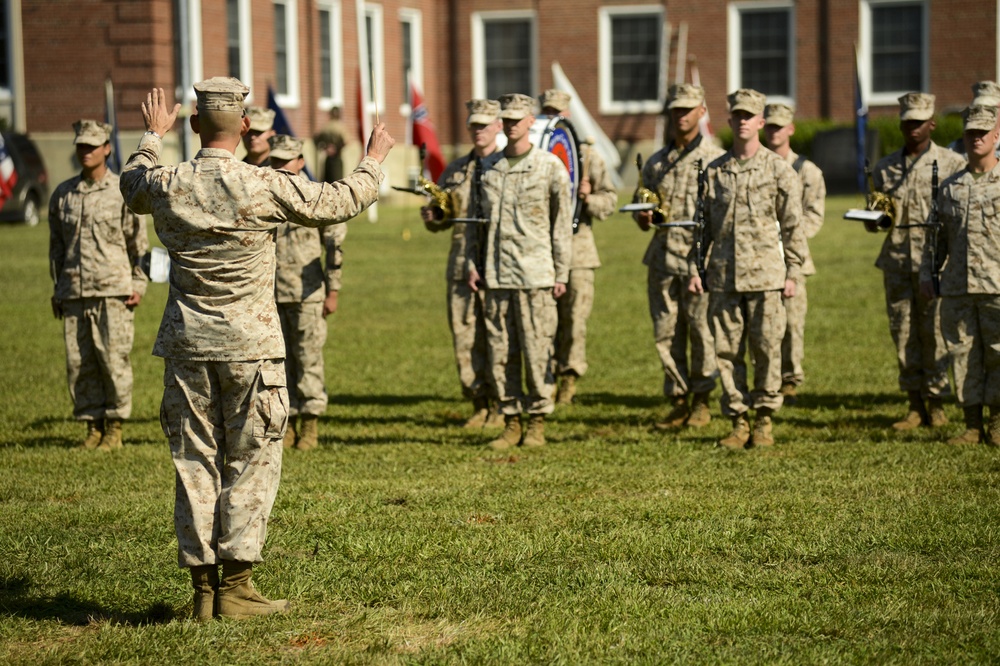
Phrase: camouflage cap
(781, 115)
(284, 147)
(916, 106)
(985, 93)
(221, 93)
(980, 117)
(515, 106)
(91, 132)
(261, 119)
(482, 111)
(685, 96)
(554, 98)
(746, 99)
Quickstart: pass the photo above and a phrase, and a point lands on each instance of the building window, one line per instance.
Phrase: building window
(894, 43)
(331, 71)
(411, 32)
(504, 53)
(762, 49)
(5, 77)
(239, 44)
(286, 52)
(630, 45)
(376, 62)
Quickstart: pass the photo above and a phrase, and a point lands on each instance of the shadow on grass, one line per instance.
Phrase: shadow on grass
(16, 601)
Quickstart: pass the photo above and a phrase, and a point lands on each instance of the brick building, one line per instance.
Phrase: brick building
(619, 54)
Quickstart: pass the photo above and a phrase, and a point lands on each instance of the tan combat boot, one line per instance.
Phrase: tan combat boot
(289, 440)
(205, 581)
(740, 435)
(935, 413)
(973, 416)
(762, 435)
(676, 417)
(993, 437)
(308, 433)
(480, 413)
(567, 390)
(237, 598)
(535, 435)
(112, 437)
(511, 435)
(495, 419)
(916, 416)
(788, 393)
(95, 430)
(700, 416)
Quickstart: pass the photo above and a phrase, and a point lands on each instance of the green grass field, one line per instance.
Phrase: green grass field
(403, 540)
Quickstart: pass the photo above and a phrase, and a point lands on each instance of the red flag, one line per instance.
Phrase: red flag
(8, 176)
(423, 133)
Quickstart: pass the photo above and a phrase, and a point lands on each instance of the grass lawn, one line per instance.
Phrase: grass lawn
(403, 540)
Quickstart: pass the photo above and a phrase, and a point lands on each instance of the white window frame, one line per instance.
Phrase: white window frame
(378, 56)
(245, 37)
(415, 18)
(607, 105)
(291, 98)
(734, 72)
(479, 19)
(336, 54)
(865, 27)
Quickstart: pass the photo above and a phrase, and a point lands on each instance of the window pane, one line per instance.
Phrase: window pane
(280, 50)
(508, 57)
(325, 53)
(407, 56)
(635, 58)
(4, 46)
(233, 37)
(765, 51)
(897, 35)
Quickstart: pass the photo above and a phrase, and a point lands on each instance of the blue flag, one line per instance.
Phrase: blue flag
(860, 124)
(115, 160)
(281, 125)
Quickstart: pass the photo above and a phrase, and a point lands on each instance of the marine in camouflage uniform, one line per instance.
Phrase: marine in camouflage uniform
(466, 308)
(598, 199)
(778, 129)
(679, 316)
(257, 140)
(306, 295)
(756, 247)
(914, 321)
(225, 405)
(527, 254)
(95, 244)
(331, 141)
(968, 244)
(984, 93)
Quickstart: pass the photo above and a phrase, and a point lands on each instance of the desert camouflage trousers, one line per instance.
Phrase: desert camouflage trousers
(224, 421)
(679, 316)
(971, 328)
(521, 330)
(915, 325)
(574, 309)
(467, 320)
(754, 322)
(99, 334)
(304, 329)
(793, 344)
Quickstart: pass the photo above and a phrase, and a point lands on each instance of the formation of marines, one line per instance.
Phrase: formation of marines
(244, 326)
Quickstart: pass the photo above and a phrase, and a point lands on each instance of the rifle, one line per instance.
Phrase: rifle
(935, 225)
(699, 219)
(476, 208)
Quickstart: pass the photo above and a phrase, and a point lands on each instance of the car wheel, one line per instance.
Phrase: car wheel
(31, 215)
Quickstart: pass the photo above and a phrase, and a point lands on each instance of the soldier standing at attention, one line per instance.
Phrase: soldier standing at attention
(914, 321)
(306, 296)
(969, 247)
(528, 249)
(678, 315)
(331, 141)
(225, 406)
(755, 248)
(256, 140)
(95, 244)
(466, 308)
(779, 127)
(599, 199)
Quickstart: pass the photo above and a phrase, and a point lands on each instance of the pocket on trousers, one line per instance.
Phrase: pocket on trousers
(272, 403)
(169, 387)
